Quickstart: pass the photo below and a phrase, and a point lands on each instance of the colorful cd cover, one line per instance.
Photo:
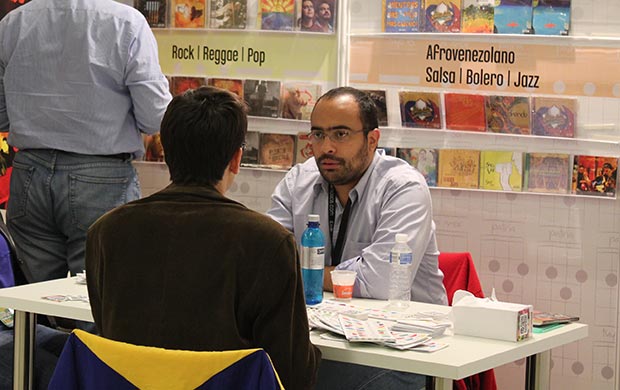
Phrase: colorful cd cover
(513, 16)
(180, 84)
(546, 173)
(458, 168)
(277, 150)
(233, 85)
(424, 160)
(551, 17)
(595, 175)
(232, 14)
(501, 170)
(262, 97)
(316, 15)
(298, 100)
(303, 148)
(378, 97)
(276, 14)
(553, 117)
(442, 16)
(477, 16)
(188, 13)
(465, 112)
(154, 11)
(508, 114)
(401, 16)
(420, 109)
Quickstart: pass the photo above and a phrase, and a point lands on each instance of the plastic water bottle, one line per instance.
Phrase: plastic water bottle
(313, 261)
(401, 259)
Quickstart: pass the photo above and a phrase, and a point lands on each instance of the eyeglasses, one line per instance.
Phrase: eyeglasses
(335, 135)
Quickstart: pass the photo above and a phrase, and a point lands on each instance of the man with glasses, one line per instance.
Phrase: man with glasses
(187, 267)
(363, 198)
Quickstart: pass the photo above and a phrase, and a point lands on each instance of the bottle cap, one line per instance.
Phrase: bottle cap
(401, 237)
(313, 218)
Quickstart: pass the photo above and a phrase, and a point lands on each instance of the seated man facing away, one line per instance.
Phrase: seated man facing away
(363, 198)
(187, 268)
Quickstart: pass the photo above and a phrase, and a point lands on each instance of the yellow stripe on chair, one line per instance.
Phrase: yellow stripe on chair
(158, 368)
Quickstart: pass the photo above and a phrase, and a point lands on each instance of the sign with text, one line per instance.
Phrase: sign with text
(278, 56)
(560, 68)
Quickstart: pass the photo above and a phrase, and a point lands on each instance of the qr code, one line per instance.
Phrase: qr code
(523, 324)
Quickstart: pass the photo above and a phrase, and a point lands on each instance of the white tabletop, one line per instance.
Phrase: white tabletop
(463, 357)
(28, 298)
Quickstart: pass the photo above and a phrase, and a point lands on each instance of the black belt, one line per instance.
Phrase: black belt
(119, 156)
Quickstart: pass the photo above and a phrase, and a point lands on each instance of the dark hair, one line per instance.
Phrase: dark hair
(367, 108)
(201, 131)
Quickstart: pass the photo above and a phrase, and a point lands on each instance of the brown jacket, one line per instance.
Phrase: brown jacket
(188, 268)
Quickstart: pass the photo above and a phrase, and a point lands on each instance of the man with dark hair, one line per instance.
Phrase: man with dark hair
(365, 198)
(188, 268)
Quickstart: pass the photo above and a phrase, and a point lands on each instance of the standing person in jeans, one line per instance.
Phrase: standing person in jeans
(79, 82)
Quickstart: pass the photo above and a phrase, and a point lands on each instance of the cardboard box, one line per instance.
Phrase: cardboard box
(492, 319)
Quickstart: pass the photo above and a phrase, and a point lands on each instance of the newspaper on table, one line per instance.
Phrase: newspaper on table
(389, 328)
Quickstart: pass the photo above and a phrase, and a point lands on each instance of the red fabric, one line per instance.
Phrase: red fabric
(459, 273)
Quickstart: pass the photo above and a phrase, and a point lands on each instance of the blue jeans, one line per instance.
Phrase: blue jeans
(49, 345)
(347, 376)
(54, 198)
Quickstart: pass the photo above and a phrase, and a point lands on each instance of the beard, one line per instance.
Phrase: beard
(348, 171)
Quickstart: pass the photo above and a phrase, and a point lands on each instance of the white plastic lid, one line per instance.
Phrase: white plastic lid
(313, 218)
(401, 237)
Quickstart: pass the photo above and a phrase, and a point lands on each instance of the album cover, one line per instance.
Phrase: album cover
(595, 175)
(424, 160)
(551, 17)
(401, 16)
(442, 15)
(465, 112)
(154, 11)
(316, 15)
(180, 84)
(378, 97)
(501, 170)
(547, 173)
(233, 85)
(458, 168)
(153, 150)
(508, 114)
(541, 318)
(262, 97)
(303, 148)
(276, 14)
(277, 150)
(188, 13)
(553, 117)
(420, 109)
(232, 14)
(513, 17)
(298, 100)
(478, 16)
(252, 148)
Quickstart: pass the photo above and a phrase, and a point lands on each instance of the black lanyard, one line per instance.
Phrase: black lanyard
(342, 231)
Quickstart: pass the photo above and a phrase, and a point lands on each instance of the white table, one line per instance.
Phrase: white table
(463, 357)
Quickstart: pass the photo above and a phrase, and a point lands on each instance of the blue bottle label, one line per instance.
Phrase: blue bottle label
(313, 257)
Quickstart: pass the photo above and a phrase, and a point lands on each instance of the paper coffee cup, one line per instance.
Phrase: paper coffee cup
(343, 282)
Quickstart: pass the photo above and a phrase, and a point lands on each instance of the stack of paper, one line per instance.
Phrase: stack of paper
(433, 327)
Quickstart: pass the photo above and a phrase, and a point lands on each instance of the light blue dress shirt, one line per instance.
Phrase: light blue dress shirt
(391, 197)
(80, 76)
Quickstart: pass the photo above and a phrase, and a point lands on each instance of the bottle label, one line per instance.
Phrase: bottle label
(404, 258)
(313, 257)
